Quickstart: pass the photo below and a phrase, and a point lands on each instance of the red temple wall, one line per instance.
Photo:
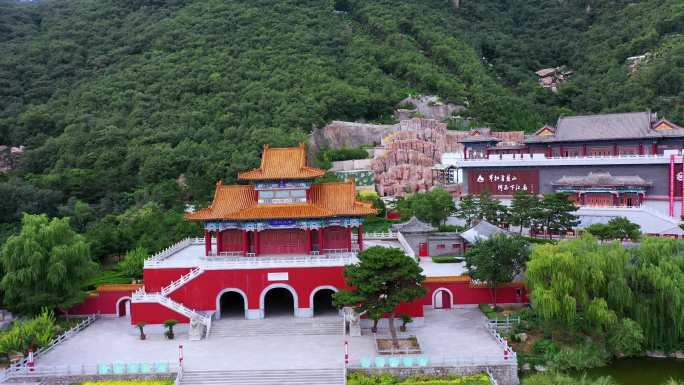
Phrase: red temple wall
(155, 279)
(154, 313)
(232, 240)
(464, 294)
(104, 303)
(336, 237)
(285, 241)
(201, 292)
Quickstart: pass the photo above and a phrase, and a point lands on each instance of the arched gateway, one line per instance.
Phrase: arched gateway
(278, 299)
(231, 303)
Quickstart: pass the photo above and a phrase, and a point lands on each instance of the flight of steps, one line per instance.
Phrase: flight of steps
(334, 376)
(277, 327)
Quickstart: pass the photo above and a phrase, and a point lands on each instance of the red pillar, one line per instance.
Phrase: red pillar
(561, 151)
(360, 237)
(245, 242)
(465, 153)
(673, 180)
(641, 149)
(548, 152)
(681, 193)
(309, 244)
(615, 150)
(207, 242)
(654, 149)
(219, 242)
(584, 150)
(256, 242)
(320, 241)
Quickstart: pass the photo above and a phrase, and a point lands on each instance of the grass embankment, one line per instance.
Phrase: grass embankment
(386, 379)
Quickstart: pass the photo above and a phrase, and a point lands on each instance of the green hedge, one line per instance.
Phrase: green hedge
(447, 259)
(386, 379)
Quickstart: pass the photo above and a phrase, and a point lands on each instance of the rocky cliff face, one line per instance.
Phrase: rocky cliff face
(410, 153)
(9, 157)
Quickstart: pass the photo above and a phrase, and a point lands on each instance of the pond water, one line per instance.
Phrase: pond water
(641, 371)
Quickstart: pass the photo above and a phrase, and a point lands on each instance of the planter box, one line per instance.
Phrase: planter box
(407, 345)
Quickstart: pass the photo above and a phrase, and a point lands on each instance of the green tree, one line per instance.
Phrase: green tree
(133, 262)
(622, 228)
(468, 209)
(524, 207)
(45, 265)
(572, 283)
(616, 228)
(556, 214)
(381, 280)
(433, 207)
(496, 260)
(492, 210)
(601, 231)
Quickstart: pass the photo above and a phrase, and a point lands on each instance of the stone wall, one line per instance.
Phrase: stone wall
(504, 374)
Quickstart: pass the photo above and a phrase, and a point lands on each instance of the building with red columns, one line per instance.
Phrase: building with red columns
(278, 244)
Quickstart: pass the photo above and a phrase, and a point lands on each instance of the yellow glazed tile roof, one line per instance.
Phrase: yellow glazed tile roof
(448, 279)
(119, 287)
(282, 163)
(236, 202)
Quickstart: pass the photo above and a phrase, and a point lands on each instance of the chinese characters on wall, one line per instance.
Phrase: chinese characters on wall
(503, 182)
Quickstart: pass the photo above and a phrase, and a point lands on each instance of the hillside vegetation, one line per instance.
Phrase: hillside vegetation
(132, 108)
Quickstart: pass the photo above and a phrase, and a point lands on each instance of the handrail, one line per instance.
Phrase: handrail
(405, 245)
(379, 235)
(452, 360)
(141, 296)
(54, 342)
(166, 290)
(544, 157)
(76, 369)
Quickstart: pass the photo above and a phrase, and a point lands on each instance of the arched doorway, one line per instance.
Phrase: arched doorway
(231, 305)
(322, 302)
(442, 299)
(123, 307)
(278, 301)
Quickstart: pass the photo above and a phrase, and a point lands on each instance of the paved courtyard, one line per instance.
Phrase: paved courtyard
(457, 332)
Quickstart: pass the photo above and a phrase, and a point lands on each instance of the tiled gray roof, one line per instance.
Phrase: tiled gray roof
(413, 225)
(602, 179)
(483, 230)
(629, 125)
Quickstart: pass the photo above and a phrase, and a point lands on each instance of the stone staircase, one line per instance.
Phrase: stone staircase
(334, 376)
(279, 326)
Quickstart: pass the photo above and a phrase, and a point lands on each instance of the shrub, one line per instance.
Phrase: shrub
(447, 259)
(169, 324)
(35, 332)
(583, 356)
(386, 379)
(626, 338)
(133, 262)
(553, 378)
(449, 228)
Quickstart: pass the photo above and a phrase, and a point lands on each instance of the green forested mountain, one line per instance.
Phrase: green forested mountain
(116, 100)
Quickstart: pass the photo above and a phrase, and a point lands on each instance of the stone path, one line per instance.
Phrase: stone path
(445, 332)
